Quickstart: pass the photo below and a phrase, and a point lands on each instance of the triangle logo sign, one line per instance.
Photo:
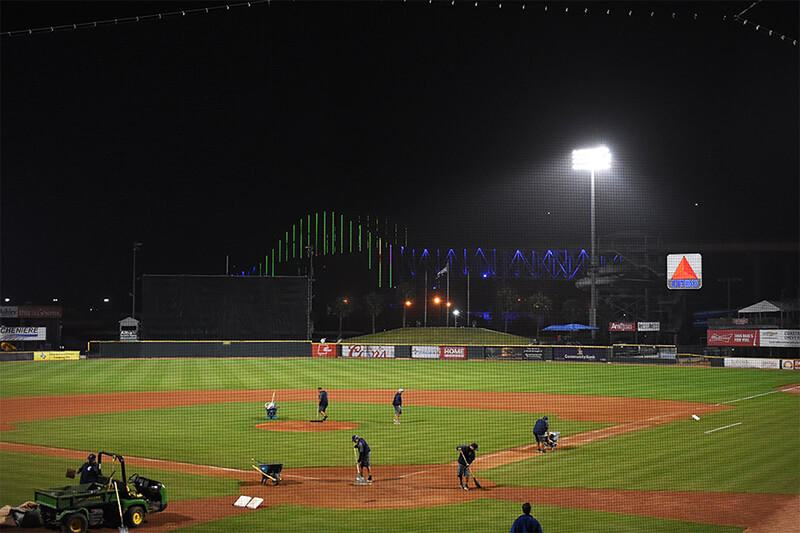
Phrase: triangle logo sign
(684, 271)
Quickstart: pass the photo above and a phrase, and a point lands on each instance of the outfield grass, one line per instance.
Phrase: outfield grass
(478, 516)
(700, 384)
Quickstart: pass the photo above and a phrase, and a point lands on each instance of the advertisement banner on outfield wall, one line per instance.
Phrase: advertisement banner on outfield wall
(744, 362)
(454, 352)
(38, 311)
(56, 356)
(531, 353)
(425, 352)
(621, 326)
(323, 349)
(790, 364)
(8, 311)
(779, 338)
(363, 350)
(22, 333)
(580, 353)
(732, 337)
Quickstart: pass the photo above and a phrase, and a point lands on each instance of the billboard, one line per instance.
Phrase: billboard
(649, 326)
(779, 338)
(363, 350)
(743, 362)
(22, 333)
(323, 350)
(454, 352)
(425, 352)
(56, 356)
(621, 326)
(732, 337)
(531, 353)
(580, 353)
(224, 307)
(684, 271)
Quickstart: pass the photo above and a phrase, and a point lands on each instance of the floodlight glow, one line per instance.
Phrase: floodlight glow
(591, 159)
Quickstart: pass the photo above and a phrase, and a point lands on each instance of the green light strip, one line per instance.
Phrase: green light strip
(341, 234)
(324, 232)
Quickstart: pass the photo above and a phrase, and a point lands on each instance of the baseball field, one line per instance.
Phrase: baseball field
(631, 457)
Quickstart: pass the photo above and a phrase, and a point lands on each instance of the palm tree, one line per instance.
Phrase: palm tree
(405, 292)
(342, 308)
(508, 300)
(374, 303)
(540, 306)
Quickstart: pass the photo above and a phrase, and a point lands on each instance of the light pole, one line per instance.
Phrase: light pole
(136, 246)
(592, 159)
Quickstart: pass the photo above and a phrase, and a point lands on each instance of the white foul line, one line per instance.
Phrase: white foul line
(757, 395)
(723, 427)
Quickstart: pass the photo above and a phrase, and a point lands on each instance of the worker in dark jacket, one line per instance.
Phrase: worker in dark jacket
(398, 405)
(90, 470)
(363, 460)
(526, 523)
(541, 430)
(323, 403)
(466, 454)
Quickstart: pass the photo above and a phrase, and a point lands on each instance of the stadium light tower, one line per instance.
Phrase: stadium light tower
(592, 159)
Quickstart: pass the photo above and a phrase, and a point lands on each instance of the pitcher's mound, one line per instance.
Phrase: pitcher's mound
(301, 425)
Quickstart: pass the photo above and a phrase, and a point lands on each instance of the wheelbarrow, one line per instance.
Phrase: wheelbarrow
(269, 471)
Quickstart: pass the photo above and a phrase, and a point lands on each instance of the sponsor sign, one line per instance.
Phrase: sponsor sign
(8, 311)
(534, 353)
(684, 271)
(56, 356)
(22, 333)
(363, 350)
(425, 352)
(128, 335)
(743, 362)
(621, 326)
(579, 353)
(454, 352)
(37, 311)
(732, 337)
(649, 326)
(741, 321)
(779, 338)
(790, 364)
(323, 349)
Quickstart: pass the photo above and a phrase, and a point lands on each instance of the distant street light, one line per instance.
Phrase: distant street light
(406, 305)
(456, 312)
(592, 159)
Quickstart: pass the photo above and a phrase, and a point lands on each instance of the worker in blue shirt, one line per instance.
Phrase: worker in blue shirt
(323, 403)
(90, 470)
(526, 523)
(541, 430)
(363, 461)
(398, 405)
(466, 454)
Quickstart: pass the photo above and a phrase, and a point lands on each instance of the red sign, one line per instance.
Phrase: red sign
(621, 326)
(455, 352)
(790, 364)
(732, 337)
(323, 350)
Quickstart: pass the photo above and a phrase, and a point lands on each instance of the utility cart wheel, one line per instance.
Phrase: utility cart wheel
(277, 479)
(75, 523)
(134, 516)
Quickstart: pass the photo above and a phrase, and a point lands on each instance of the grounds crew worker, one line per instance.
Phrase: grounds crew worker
(541, 430)
(465, 457)
(323, 403)
(90, 470)
(398, 405)
(526, 523)
(363, 455)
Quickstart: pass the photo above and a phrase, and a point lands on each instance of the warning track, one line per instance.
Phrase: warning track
(412, 486)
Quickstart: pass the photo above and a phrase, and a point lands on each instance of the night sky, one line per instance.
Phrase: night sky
(208, 135)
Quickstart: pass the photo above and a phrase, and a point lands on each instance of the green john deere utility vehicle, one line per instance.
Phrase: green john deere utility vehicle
(108, 501)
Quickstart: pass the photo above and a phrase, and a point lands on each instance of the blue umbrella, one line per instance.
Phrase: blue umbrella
(567, 327)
